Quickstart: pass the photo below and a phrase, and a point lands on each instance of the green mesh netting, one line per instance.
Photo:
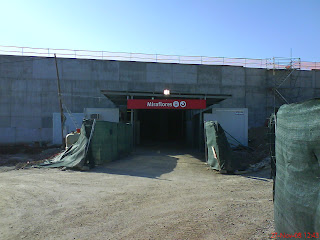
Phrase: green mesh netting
(296, 203)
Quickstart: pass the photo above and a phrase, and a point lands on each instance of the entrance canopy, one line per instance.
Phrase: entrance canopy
(120, 98)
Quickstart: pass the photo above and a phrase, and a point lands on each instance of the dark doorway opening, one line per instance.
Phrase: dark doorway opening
(162, 126)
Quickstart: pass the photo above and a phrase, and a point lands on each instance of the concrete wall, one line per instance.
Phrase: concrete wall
(29, 89)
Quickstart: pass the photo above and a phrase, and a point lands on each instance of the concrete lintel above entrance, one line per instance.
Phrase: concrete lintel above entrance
(119, 98)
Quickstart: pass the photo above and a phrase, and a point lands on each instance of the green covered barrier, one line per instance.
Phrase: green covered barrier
(104, 147)
(220, 155)
(99, 142)
(297, 182)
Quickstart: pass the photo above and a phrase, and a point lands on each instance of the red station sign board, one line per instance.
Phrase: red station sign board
(166, 104)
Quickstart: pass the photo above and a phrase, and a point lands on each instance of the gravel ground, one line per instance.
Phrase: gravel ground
(149, 195)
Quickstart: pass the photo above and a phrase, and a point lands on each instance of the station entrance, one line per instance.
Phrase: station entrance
(162, 125)
(157, 118)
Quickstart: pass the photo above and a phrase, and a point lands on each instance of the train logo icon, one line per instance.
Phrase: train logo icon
(183, 104)
(176, 104)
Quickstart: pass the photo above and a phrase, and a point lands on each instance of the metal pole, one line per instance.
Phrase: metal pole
(132, 124)
(60, 100)
(200, 130)
(205, 143)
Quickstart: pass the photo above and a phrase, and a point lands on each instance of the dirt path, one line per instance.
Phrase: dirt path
(150, 195)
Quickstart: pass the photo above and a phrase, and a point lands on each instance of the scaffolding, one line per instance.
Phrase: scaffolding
(284, 85)
(284, 90)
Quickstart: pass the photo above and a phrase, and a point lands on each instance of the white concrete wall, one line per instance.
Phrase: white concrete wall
(234, 121)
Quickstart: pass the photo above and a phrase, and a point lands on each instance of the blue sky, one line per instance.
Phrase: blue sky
(217, 28)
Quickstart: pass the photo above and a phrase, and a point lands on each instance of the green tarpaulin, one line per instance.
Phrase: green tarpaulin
(99, 142)
(220, 154)
(77, 155)
(297, 182)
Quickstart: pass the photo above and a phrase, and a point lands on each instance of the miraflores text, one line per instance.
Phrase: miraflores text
(158, 104)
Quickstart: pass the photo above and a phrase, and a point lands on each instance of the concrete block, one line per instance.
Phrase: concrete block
(255, 80)
(46, 122)
(306, 94)
(78, 105)
(105, 70)
(5, 108)
(81, 87)
(302, 79)
(152, 77)
(209, 74)
(75, 69)
(184, 77)
(258, 117)
(238, 92)
(7, 135)
(34, 85)
(49, 104)
(233, 103)
(152, 67)
(232, 76)
(112, 85)
(24, 104)
(26, 122)
(159, 77)
(65, 86)
(158, 72)
(132, 71)
(17, 67)
(316, 77)
(50, 85)
(159, 67)
(256, 99)
(207, 89)
(256, 71)
(6, 85)
(19, 85)
(5, 97)
(184, 68)
(132, 76)
(46, 134)
(303, 82)
(269, 83)
(27, 135)
(142, 87)
(302, 73)
(45, 68)
(5, 122)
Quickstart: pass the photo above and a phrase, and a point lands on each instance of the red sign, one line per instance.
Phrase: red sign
(166, 104)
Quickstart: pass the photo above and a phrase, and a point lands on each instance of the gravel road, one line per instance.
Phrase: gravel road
(149, 195)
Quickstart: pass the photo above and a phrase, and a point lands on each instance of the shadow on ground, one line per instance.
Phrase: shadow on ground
(261, 175)
(151, 162)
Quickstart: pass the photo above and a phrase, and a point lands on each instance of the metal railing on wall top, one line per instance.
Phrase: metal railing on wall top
(158, 58)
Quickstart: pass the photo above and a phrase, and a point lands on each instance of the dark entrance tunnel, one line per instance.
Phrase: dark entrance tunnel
(162, 126)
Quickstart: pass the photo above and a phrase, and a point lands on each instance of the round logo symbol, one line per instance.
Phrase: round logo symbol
(183, 104)
(176, 104)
